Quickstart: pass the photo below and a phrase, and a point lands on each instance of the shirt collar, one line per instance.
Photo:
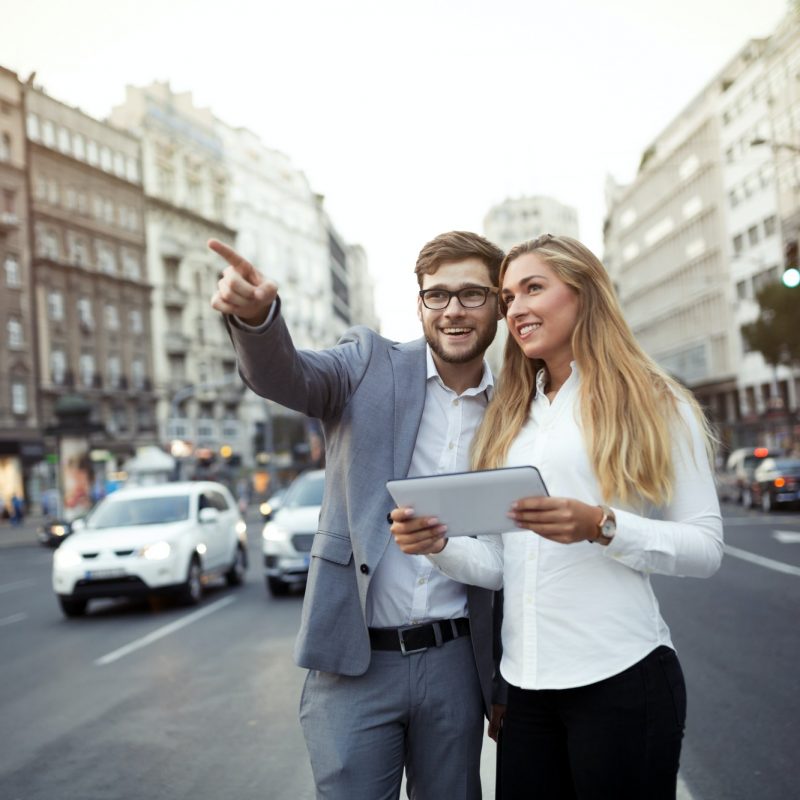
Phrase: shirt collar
(541, 377)
(486, 384)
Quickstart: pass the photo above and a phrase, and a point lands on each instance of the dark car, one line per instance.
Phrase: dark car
(776, 482)
(734, 481)
(53, 532)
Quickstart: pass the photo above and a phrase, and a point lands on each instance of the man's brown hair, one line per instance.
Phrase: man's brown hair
(458, 246)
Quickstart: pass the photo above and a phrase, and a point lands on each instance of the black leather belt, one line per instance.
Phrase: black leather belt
(415, 638)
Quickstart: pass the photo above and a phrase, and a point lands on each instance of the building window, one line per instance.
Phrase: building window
(86, 369)
(5, 147)
(130, 265)
(137, 373)
(119, 164)
(108, 212)
(64, 140)
(85, 316)
(738, 244)
(33, 127)
(19, 398)
(79, 146)
(132, 170)
(135, 320)
(112, 318)
(55, 306)
(114, 372)
(106, 258)
(78, 249)
(13, 278)
(52, 192)
(48, 133)
(15, 338)
(58, 366)
(91, 153)
(752, 235)
(770, 226)
(743, 290)
(105, 158)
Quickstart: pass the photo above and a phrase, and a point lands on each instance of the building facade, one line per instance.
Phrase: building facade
(91, 293)
(516, 220)
(186, 188)
(691, 240)
(21, 444)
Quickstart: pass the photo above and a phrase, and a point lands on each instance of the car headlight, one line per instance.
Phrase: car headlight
(275, 533)
(156, 552)
(241, 527)
(58, 530)
(65, 559)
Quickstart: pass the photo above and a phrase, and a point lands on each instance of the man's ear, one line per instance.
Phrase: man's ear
(419, 309)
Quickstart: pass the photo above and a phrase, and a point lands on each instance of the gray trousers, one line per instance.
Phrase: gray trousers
(422, 712)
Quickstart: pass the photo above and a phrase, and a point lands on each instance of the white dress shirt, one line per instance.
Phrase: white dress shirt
(407, 589)
(575, 614)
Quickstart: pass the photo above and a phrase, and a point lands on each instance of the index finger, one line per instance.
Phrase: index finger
(535, 503)
(239, 263)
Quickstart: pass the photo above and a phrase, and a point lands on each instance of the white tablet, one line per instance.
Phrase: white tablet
(469, 503)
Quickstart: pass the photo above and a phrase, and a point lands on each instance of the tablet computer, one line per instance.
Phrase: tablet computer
(469, 503)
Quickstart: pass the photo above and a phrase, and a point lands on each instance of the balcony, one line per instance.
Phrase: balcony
(8, 222)
(176, 343)
(174, 296)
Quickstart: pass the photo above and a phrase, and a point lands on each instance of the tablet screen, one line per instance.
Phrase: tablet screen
(469, 503)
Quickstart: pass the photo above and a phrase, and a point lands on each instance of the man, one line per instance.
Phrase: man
(399, 656)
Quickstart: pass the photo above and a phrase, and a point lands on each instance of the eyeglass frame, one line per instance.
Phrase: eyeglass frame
(487, 290)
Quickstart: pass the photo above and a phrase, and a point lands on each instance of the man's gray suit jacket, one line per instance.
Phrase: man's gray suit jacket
(369, 394)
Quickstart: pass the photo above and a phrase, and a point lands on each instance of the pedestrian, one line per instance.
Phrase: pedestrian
(17, 509)
(596, 698)
(399, 655)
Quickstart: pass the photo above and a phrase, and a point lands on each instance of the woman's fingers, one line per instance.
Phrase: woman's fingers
(416, 535)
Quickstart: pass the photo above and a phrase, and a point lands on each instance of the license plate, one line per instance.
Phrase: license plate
(101, 574)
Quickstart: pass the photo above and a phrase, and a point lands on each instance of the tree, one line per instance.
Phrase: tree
(776, 332)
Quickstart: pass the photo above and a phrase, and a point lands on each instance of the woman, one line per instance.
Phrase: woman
(596, 703)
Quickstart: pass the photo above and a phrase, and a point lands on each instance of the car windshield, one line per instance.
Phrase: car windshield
(140, 511)
(788, 466)
(305, 492)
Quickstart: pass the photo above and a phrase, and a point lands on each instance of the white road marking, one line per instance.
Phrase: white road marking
(9, 587)
(160, 633)
(769, 563)
(786, 537)
(12, 619)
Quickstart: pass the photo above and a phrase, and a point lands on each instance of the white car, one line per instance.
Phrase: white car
(289, 533)
(149, 540)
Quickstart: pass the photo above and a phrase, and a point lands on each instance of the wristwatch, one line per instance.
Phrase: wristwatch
(608, 524)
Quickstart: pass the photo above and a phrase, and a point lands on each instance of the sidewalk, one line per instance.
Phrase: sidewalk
(21, 535)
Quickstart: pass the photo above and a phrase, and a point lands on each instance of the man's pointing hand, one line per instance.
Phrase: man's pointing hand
(242, 290)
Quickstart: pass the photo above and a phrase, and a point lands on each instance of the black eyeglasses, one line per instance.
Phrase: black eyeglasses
(468, 297)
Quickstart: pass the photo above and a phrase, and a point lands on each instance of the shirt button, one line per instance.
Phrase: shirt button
(451, 446)
(365, 569)
(455, 402)
(421, 581)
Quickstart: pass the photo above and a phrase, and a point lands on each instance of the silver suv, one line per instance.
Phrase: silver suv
(289, 533)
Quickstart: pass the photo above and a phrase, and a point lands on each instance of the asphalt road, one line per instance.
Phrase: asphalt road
(738, 639)
(130, 702)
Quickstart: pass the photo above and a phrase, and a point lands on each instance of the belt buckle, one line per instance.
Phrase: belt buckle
(403, 650)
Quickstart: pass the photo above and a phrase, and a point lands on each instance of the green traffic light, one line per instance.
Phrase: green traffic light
(791, 277)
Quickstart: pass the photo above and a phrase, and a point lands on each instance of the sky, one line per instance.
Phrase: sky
(411, 118)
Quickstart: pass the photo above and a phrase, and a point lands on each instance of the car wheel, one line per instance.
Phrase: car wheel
(72, 606)
(276, 587)
(766, 502)
(235, 575)
(747, 498)
(192, 590)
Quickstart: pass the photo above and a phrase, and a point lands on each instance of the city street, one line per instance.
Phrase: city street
(177, 702)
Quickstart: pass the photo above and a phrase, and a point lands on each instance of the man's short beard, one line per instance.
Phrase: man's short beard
(462, 358)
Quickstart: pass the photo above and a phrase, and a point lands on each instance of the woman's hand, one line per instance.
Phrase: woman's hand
(560, 519)
(417, 535)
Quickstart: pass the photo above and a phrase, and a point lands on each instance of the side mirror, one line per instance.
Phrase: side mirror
(209, 515)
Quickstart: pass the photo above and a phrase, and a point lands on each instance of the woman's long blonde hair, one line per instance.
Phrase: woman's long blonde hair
(628, 404)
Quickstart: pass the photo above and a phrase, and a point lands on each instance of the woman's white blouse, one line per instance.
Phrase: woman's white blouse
(578, 613)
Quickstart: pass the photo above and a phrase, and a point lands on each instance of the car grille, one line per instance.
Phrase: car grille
(302, 542)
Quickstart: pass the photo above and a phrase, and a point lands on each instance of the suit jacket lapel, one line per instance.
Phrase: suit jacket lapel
(410, 370)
